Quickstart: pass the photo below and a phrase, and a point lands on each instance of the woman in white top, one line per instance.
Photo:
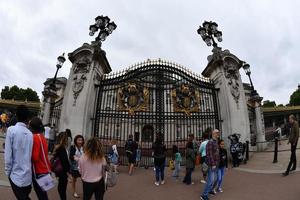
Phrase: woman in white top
(114, 155)
(202, 151)
(91, 167)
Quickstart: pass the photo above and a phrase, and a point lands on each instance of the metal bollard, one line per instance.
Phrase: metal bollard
(247, 150)
(276, 151)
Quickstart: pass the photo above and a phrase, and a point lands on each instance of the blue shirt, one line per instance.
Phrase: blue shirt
(18, 150)
(202, 149)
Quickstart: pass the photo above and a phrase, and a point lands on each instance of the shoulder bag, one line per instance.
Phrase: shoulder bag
(46, 182)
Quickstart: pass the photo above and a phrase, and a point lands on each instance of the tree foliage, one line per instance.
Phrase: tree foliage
(295, 98)
(268, 103)
(21, 94)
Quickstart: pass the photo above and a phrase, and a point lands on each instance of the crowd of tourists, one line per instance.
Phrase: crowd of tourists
(33, 151)
(28, 163)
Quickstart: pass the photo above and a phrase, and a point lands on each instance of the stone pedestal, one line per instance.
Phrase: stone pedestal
(89, 64)
(46, 113)
(259, 123)
(223, 70)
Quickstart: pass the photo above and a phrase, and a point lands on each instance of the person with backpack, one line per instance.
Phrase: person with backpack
(130, 148)
(159, 155)
(190, 163)
(40, 161)
(202, 151)
(177, 160)
(114, 155)
(76, 151)
(60, 153)
(92, 165)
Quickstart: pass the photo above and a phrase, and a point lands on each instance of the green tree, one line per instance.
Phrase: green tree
(295, 98)
(21, 94)
(280, 105)
(268, 103)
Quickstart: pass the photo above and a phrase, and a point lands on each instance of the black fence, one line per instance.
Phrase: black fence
(140, 101)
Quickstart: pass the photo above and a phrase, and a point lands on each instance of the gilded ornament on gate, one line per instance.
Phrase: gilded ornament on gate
(186, 99)
(133, 98)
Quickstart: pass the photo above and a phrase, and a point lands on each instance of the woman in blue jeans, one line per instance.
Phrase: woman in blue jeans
(159, 154)
(222, 164)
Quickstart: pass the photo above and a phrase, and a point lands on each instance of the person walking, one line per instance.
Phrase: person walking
(69, 134)
(47, 133)
(52, 137)
(212, 160)
(223, 164)
(177, 160)
(60, 152)
(76, 151)
(91, 167)
(114, 155)
(202, 151)
(293, 140)
(130, 148)
(190, 163)
(159, 155)
(17, 156)
(40, 160)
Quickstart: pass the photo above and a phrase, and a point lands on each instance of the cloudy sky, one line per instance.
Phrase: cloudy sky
(265, 33)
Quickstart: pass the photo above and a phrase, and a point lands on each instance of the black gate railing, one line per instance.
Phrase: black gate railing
(159, 79)
(54, 120)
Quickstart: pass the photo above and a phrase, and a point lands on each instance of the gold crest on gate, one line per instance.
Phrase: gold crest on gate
(186, 99)
(133, 98)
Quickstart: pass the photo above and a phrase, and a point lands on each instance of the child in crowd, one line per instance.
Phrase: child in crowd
(222, 165)
(178, 160)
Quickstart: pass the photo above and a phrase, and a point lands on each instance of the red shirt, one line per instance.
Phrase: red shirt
(38, 159)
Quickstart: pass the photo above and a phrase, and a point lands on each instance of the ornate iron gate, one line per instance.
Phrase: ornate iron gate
(154, 97)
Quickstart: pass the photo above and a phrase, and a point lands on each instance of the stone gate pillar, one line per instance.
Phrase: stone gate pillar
(259, 123)
(223, 69)
(89, 63)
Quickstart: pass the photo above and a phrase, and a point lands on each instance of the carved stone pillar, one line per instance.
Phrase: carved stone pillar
(223, 70)
(259, 123)
(89, 64)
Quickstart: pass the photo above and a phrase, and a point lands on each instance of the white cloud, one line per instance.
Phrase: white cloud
(263, 33)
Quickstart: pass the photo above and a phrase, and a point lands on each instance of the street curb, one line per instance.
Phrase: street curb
(4, 183)
(258, 171)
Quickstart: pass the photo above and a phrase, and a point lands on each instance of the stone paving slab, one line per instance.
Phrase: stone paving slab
(237, 185)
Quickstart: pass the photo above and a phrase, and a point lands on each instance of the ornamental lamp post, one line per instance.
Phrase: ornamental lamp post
(105, 26)
(209, 32)
(52, 89)
(246, 67)
(60, 61)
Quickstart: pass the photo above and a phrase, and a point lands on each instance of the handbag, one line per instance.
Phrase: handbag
(46, 182)
(56, 166)
(110, 178)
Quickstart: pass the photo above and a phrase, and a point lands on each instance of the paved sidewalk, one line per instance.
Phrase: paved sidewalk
(262, 162)
(237, 185)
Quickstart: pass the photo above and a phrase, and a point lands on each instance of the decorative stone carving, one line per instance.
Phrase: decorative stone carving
(133, 98)
(80, 68)
(78, 84)
(186, 99)
(232, 74)
(82, 65)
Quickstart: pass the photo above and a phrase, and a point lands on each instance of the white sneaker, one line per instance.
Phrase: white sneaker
(163, 182)
(156, 183)
(203, 181)
(220, 190)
